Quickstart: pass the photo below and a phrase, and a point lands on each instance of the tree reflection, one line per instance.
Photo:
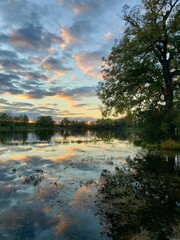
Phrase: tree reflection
(108, 136)
(9, 136)
(143, 199)
(44, 135)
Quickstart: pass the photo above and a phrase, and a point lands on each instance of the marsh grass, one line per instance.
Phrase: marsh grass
(170, 144)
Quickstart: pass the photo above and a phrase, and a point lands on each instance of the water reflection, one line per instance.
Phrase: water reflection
(48, 189)
(9, 136)
(25, 137)
(44, 135)
(144, 200)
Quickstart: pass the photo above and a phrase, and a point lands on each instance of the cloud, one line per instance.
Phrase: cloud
(69, 38)
(9, 84)
(39, 93)
(33, 75)
(33, 34)
(55, 65)
(30, 37)
(7, 80)
(77, 34)
(90, 62)
(15, 107)
(84, 91)
(17, 11)
(3, 101)
(108, 36)
(79, 105)
(10, 65)
(8, 54)
(35, 110)
(11, 62)
(88, 7)
(34, 89)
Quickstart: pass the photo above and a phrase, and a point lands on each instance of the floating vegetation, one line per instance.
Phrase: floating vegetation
(78, 141)
(32, 179)
(35, 178)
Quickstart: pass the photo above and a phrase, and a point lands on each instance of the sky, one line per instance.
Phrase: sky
(51, 55)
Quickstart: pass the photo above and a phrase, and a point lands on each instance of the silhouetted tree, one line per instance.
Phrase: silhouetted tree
(142, 70)
(45, 122)
(64, 122)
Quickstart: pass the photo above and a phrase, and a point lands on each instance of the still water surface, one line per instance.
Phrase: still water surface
(49, 182)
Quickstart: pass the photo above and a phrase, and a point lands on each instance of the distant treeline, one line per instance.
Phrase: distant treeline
(9, 121)
(98, 124)
(150, 131)
(48, 122)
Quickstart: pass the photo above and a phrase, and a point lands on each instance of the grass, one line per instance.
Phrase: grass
(168, 144)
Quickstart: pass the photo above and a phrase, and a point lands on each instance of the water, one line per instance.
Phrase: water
(49, 182)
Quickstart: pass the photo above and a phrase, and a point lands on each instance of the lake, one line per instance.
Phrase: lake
(49, 182)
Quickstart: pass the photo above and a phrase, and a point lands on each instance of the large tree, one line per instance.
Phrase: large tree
(142, 70)
(45, 122)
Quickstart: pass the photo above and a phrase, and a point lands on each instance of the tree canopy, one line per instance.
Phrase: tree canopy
(142, 69)
(45, 122)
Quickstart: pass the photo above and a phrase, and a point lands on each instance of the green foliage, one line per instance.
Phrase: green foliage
(170, 144)
(45, 122)
(108, 124)
(142, 70)
(153, 123)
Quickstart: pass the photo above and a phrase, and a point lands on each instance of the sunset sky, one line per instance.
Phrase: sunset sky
(50, 55)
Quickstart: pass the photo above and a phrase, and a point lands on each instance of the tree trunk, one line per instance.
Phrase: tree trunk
(169, 100)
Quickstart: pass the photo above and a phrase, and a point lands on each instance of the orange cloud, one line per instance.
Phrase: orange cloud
(68, 38)
(89, 63)
(20, 158)
(54, 65)
(66, 97)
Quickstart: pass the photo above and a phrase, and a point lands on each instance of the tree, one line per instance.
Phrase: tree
(65, 122)
(24, 119)
(21, 120)
(6, 119)
(142, 70)
(45, 122)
